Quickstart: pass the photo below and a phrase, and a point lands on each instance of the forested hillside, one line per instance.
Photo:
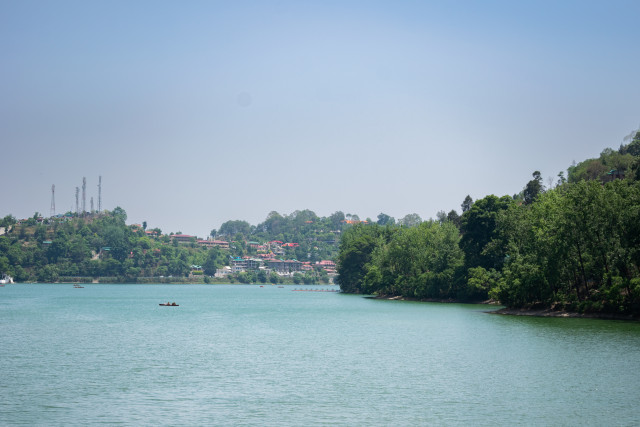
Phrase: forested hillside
(309, 236)
(574, 245)
(89, 246)
(96, 245)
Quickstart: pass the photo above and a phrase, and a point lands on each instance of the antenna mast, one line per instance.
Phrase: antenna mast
(84, 195)
(100, 194)
(92, 204)
(77, 194)
(53, 200)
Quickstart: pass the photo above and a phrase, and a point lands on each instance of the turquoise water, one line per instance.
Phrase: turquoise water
(250, 355)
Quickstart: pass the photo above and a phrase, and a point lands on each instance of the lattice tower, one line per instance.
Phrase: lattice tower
(53, 200)
(84, 195)
(100, 193)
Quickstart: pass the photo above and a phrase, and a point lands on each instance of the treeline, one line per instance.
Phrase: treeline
(315, 238)
(575, 246)
(83, 247)
(96, 246)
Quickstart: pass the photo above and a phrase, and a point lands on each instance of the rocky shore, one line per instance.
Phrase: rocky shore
(536, 312)
(548, 312)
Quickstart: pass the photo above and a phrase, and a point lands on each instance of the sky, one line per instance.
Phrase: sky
(199, 112)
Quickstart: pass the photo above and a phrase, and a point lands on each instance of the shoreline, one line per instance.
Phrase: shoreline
(548, 312)
(220, 282)
(505, 311)
(440, 300)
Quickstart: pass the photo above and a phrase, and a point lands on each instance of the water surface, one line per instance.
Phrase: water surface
(250, 355)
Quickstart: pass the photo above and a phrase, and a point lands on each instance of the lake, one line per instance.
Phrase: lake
(270, 356)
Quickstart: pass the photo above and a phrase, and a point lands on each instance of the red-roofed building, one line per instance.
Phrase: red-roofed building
(182, 238)
(243, 264)
(214, 243)
(327, 265)
(284, 266)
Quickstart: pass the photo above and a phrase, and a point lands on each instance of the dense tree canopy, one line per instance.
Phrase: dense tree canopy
(356, 248)
(479, 228)
(418, 262)
(92, 246)
(575, 246)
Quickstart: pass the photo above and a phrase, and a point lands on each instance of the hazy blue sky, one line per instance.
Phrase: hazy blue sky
(195, 113)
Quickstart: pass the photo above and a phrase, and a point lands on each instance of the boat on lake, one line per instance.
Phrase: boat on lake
(6, 279)
(172, 304)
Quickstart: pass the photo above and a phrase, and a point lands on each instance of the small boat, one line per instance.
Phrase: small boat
(170, 305)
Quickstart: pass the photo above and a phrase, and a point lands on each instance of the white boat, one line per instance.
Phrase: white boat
(6, 279)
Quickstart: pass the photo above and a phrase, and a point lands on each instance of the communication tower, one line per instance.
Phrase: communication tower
(84, 195)
(77, 194)
(100, 193)
(91, 204)
(53, 200)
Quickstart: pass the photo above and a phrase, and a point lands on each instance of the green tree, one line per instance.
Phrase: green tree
(454, 218)
(115, 238)
(40, 235)
(110, 267)
(478, 228)
(419, 262)
(576, 247)
(210, 266)
(336, 219)
(356, 248)
(236, 227)
(8, 221)
(5, 266)
(479, 283)
(384, 219)
(633, 147)
(410, 220)
(49, 274)
(262, 276)
(466, 204)
(533, 188)
(120, 215)
(59, 247)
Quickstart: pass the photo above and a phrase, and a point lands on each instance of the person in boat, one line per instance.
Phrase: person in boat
(173, 303)
(168, 303)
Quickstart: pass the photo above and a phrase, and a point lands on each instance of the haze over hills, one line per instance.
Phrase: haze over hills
(215, 111)
(302, 246)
